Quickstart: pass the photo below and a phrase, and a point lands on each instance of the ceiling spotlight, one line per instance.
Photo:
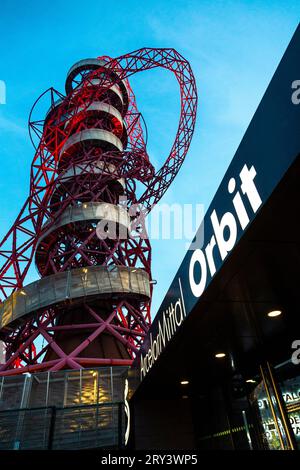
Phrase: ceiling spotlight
(184, 382)
(220, 355)
(274, 313)
(22, 292)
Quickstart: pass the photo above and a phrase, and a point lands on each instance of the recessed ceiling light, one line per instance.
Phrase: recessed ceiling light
(220, 355)
(274, 313)
(184, 382)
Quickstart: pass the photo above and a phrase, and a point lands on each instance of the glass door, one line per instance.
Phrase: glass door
(272, 424)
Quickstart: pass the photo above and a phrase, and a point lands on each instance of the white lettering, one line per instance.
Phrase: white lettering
(228, 220)
(248, 187)
(198, 257)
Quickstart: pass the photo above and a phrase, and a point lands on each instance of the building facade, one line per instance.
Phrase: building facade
(220, 365)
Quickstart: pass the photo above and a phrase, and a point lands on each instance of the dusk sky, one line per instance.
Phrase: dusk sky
(233, 47)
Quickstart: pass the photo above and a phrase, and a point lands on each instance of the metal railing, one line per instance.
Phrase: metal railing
(74, 427)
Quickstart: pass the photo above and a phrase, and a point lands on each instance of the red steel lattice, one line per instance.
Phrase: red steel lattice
(51, 195)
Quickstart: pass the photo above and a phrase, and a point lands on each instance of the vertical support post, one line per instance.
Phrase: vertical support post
(46, 404)
(247, 429)
(97, 406)
(21, 413)
(52, 427)
(120, 432)
(113, 414)
(80, 401)
(25, 392)
(111, 385)
(80, 385)
(47, 389)
(65, 389)
(1, 388)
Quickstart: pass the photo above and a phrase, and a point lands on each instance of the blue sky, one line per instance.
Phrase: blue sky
(233, 47)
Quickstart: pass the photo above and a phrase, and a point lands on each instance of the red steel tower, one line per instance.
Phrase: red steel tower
(82, 223)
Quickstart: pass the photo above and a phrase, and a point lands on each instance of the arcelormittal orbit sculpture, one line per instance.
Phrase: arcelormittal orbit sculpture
(91, 306)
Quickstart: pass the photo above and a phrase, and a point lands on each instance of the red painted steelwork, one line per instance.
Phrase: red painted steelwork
(69, 332)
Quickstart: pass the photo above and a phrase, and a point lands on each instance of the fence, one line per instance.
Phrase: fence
(74, 427)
